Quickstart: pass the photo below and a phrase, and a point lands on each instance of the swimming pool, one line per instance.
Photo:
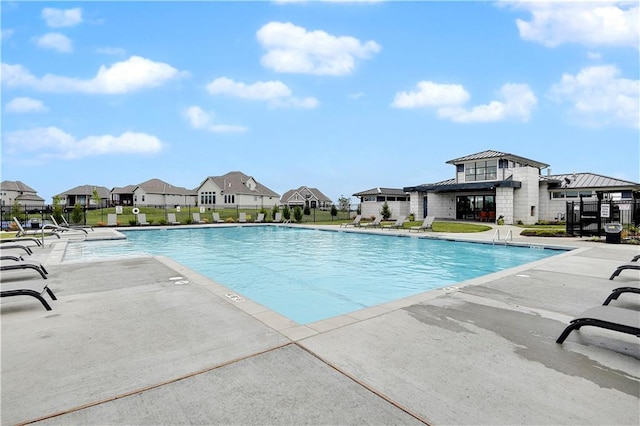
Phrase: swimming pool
(307, 274)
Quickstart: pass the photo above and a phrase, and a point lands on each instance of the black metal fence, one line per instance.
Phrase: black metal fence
(588, 218)
(35, 215)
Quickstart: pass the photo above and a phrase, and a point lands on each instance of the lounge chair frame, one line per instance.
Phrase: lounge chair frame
(611, 318)
(39, 268)
(618, 291)
(32, 293)
(622, 268)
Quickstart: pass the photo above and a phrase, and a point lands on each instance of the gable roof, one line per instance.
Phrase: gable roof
(380, 191)
(587, 180)
(489, 154)
(157, 186)
(103, 192)
(303, 191)
(10, 185)
(235, 183)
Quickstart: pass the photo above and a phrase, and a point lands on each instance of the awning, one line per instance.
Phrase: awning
(468, 186)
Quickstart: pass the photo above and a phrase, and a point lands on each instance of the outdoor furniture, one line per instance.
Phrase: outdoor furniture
(427, 223)
(242, 218)
(112, 219)
(23, 233)
(197, 219)
(618, 291)
(621, 268)
(398, 224)
(608, 317)
(142, 219)
(278, 217)
(374, 224)
(356, 222)
(171, 219)
(25, 265)
(27, 288)
(216, 218)
(68, 225)
(260, 218)
(61, 228)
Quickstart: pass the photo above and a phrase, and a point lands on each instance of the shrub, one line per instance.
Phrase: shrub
(229, 220)
(307, 210)
(334, 210)
(161, 222)
(76, 215)
(274, 210)
(133, 222)
(286, 213)
(297, 214)
(385, 211)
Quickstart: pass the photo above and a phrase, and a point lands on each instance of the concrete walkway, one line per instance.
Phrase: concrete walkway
(148, 341)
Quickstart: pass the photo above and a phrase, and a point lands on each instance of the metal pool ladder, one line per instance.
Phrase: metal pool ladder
(496, 237)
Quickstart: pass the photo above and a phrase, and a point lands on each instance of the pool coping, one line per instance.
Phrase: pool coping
(295, 331)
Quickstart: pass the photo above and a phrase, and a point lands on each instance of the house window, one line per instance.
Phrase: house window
(401, 198)
(481, 170)
(380, 199)
(207, 197)
(556, 194)
(230, 199)
(369, 198)
(460, 168)
(391, 198)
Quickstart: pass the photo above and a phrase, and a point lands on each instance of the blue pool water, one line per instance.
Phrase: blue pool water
(308, 275)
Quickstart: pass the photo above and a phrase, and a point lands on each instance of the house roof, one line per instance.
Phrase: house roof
(587, 180)
(103, 192)
(304, 191)
(124, 189)
(9, 185)
(235, 183)
(450, 185)
(488, 154)
(381, 191)
(157, 186)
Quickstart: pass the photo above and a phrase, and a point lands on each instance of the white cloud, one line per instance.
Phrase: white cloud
(599, 96)
(25, 105)
(430, 94)
(611, 23)
(199, 119)
(114, 51)
(448, 100)
(6, 34)
(276, 93)
(48, 143)
(135, 73)
(518, 101)
(293, 49)
(57, 18)
(55, 41)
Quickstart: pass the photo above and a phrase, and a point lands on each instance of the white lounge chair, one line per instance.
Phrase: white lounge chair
(278, 217)
(68, 225)
(142, 219)
(260, 218)
(397, 225)
(374, 224)
(242, 218)
(427, 223)
(355, 222)
(171, 219)
(216, 218)
(34, 232)
(112, 219)
(197, 219)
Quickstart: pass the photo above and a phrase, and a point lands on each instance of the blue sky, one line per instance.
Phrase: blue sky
(340, 95)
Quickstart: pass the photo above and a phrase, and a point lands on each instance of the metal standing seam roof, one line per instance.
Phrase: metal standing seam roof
(489, 154)
(381, 191)
(588, 180)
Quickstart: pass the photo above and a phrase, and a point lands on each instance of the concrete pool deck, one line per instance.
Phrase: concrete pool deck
(148, 341)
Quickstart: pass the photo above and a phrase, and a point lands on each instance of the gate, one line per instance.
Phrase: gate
(587, 218)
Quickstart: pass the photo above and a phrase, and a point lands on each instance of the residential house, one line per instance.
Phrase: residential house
(83, 195)
(304, 195)
(235, 189)
(153, 192)
(372, 200)
(490, 184)
(16, 191)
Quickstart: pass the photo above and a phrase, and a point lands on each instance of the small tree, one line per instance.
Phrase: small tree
(343, 202)
(76, 215)
(16, 210)
(57, 209)
(274, 210)
(385, 211)
(307, 210)
(286, 213)
(297, 214)
(334, 211)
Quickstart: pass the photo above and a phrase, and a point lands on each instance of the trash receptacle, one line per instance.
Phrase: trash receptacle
(613, 232)
(35, 223)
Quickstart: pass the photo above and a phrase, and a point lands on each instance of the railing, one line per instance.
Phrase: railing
(496, 237)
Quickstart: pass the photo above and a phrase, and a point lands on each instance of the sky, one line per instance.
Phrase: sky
(343, 96)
